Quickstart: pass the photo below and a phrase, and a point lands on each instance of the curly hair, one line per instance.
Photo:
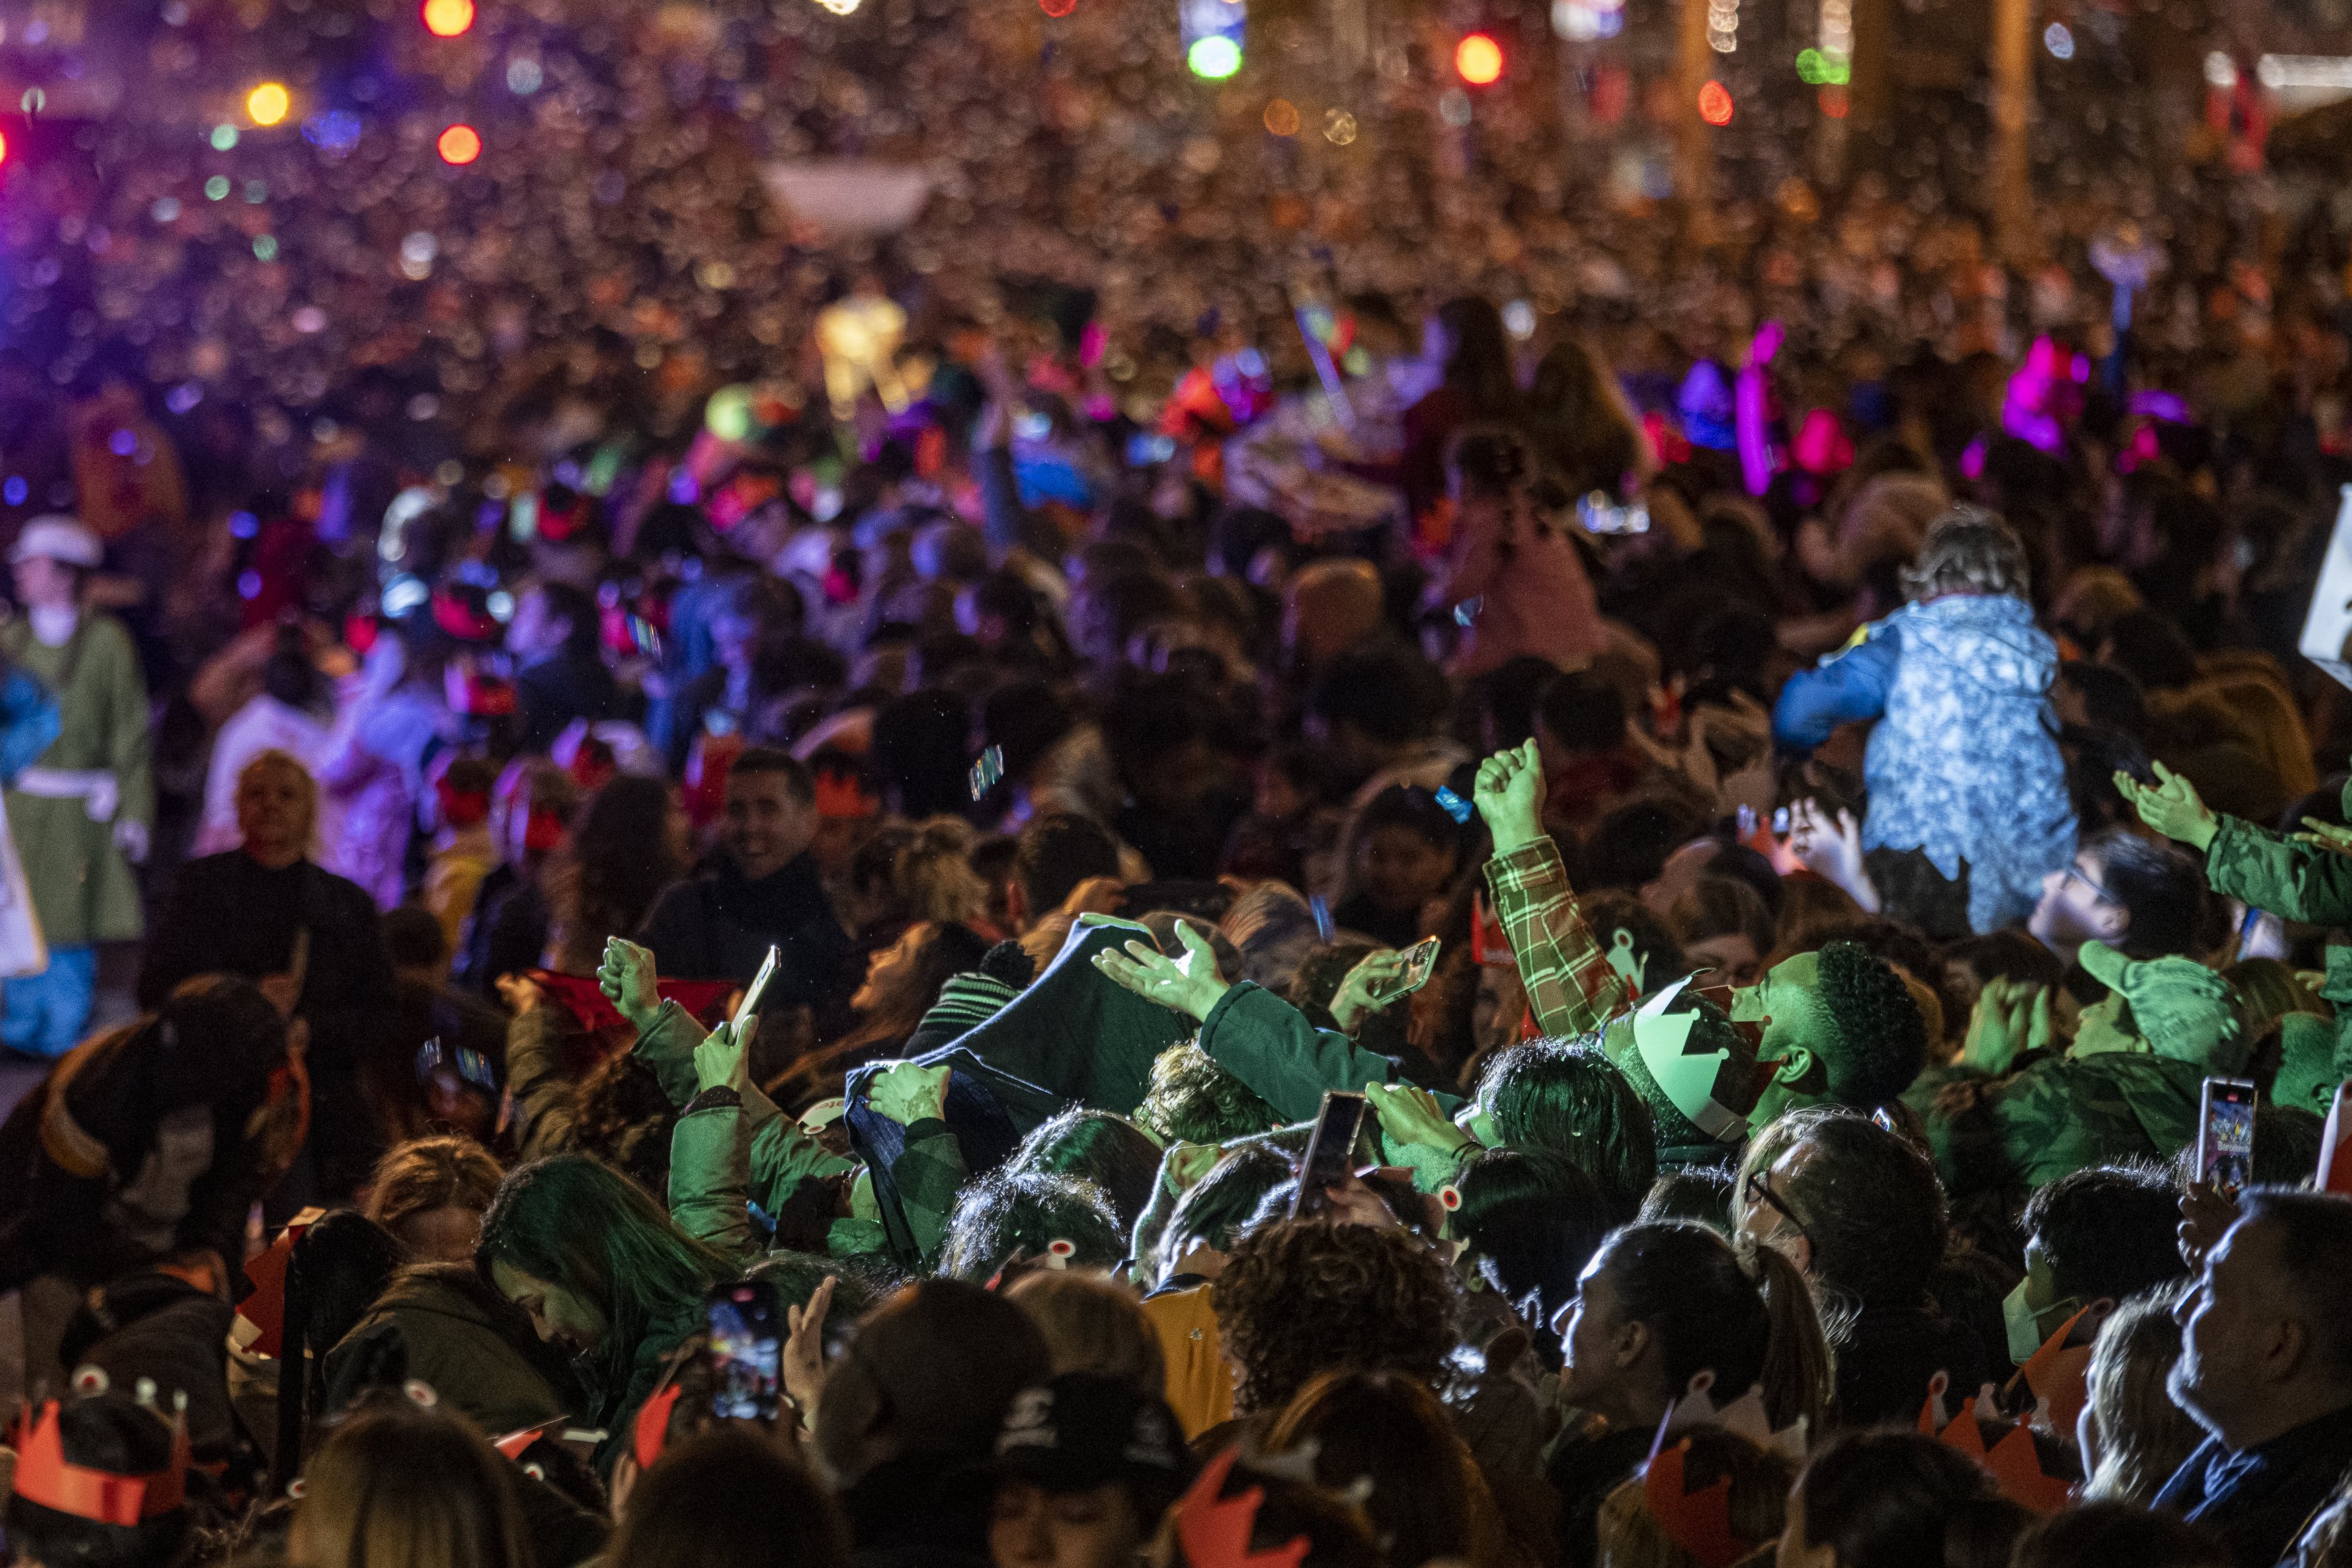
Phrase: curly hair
(1564, 1098)
(623, 1118)
(1883, 1040)
(1307, 1296)
(1009, 1212)
(1192, 1100)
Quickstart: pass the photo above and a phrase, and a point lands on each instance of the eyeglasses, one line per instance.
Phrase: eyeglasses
(2075, 872)
(1760, 1190)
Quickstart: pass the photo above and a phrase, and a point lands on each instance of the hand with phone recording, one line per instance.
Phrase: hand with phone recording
(1366, 990)
(723, 1060)
(1411, 1115)
(2205, 1213)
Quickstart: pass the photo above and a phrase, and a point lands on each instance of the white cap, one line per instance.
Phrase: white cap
(58, 539)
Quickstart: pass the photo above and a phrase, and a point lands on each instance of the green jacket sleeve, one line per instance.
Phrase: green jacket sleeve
(782, 1155)
(666, 1047)
(1289, 1062)
(2295, 881)
(711, 1174)
(543, 1098)
(129, 729)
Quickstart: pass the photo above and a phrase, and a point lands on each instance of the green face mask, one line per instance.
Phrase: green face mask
(2026, 1334)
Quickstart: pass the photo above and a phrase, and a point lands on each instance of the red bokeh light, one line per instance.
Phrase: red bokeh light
(1832, 101)
(1058, 8)
(447, 18)
(1479, 59)
(460, 144)
(1715, 103)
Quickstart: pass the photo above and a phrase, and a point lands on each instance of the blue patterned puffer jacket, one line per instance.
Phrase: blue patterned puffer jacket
(1965, 764)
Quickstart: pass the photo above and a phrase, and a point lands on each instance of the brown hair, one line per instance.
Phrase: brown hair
(1968, 550)
(425, 1174)
(729, 1495)
(400, 1486)
(1092, 1323)
(1305, 1296)
(1428, 1498)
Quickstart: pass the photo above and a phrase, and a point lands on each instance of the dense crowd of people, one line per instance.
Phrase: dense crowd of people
(1603, 891)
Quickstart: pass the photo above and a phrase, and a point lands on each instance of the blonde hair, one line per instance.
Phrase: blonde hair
(1092, 1323)
(932, 876)
(400, 1486)
(2143, 1436)
(425, 1174)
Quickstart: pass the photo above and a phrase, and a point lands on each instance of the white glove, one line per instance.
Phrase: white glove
(104, 795)
(130, 838)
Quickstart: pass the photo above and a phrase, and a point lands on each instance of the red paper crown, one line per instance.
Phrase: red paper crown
(839, 795)
(102, 1496)
(1697, 1521)
(652, 1433)
(1215, 1531)
(260, 1326)
(586, 1002)
(2013, 1463)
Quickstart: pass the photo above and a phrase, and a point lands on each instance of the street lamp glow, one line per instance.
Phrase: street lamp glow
(1214, 56)
(269, 103)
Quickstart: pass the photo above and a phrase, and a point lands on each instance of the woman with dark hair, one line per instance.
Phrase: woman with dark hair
(1529, 1224)
(627, 844)
(1657, 1305)
(729, 1495)
(1428, 1498)
(1897, 1500)
(1513, 553)
(1109, 1150)
(1578, 422)
(1480, 388)
(52, 1524)
(595, 1264)
(1565, 1100)
(902, 981)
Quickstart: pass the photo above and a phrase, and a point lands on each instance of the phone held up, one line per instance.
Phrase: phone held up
(2225, 1136)
(1330, 1151)
(1419, 963)
(747, 1351)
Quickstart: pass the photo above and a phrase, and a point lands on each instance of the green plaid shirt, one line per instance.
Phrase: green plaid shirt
(1571, 989)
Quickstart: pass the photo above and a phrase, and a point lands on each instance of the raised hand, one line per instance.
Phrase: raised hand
(2012, 1016)
(1832, 850)
(1509, 794)
(626, 977)
(803, 1358)
(1190, 985)
(2172, 808)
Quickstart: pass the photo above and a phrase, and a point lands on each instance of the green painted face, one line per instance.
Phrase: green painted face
(1797, 1033)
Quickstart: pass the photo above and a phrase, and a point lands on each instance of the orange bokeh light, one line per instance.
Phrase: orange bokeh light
(1479, 59)
(447, 18)
(460, 144)
(1715, 103)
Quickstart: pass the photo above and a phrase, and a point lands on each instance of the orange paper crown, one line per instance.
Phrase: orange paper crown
(43, 1477)
(1215, 1531)
(2014, 1463)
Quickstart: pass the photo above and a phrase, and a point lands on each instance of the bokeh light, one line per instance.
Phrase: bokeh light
(269, 103)
(1715, 103)
(1479, 59)
(2059, 40)
(1214, 57)
(1338, 127)
(1282, 117)
(223, 137)
(459, 144)
(1058, 8)
(447, 18)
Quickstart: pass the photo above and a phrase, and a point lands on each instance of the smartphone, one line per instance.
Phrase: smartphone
(2225, 1141)
(760, 983)
(747, 1351)
(1601, 515)
(1330, 1151)
(1419, 963)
